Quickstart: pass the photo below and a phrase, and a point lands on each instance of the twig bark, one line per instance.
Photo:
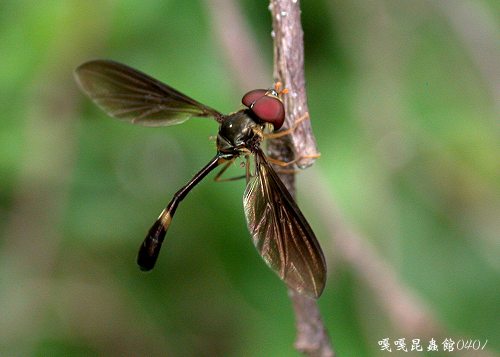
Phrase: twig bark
(289, 69)
(312, 338)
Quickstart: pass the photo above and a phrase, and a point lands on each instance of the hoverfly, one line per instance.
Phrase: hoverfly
(279, 231)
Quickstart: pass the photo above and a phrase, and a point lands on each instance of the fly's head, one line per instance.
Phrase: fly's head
(266, 105)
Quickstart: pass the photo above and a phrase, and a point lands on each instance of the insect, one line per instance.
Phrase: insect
(278, 229)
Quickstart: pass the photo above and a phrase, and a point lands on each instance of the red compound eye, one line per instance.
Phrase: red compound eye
(270, 110)
(265, 104)
(249, 98)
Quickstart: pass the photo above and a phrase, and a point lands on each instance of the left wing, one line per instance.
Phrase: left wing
(280, 232)
(128, 94)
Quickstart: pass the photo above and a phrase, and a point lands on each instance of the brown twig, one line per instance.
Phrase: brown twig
(312, 338)
(289, 69)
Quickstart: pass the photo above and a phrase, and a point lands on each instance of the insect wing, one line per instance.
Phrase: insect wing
(280, 232)
(128, 94)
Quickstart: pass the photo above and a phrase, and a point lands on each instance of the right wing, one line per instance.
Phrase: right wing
(280, 232)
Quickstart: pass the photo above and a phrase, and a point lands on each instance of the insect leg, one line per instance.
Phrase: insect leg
(227, 165)
(288, 131)
(218, 178)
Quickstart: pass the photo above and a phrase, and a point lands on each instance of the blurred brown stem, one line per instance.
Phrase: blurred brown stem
(312, 338)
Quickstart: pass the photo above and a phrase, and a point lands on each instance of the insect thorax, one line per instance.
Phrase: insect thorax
(239, 132)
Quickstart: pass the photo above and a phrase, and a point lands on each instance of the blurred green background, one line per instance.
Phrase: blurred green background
(404, 98)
